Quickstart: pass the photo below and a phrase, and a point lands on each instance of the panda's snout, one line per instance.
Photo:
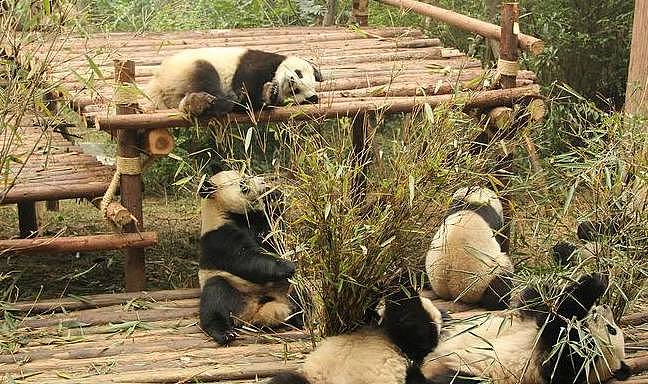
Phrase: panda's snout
(312, 99)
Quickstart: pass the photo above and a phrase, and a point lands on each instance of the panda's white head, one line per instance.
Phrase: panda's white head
(609, 345)
(229, 192)
(294, 80)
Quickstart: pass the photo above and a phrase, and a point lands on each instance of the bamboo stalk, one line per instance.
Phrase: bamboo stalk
(306, 112)
(78, 243)
(466, 23)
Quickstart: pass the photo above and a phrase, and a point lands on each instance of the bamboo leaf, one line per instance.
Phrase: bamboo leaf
(248, 139)
(411, 189)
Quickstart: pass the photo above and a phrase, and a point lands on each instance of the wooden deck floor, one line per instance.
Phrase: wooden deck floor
(364, 69)
(154, 338)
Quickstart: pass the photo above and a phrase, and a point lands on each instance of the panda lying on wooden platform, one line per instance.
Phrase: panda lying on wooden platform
(241, 281)
(388, 354)
(215, 81)
(573, 342)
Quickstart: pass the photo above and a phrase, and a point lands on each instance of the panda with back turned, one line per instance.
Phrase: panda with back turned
(465, 260)
(241, 282)
(215, 81)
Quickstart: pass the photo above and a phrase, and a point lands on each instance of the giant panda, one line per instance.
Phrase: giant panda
(217, 80)
(241, 281)
(390, 353)
(575, 342)
(465, 260)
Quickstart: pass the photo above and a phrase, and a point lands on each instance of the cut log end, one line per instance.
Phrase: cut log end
(119, 215)
(159, 142)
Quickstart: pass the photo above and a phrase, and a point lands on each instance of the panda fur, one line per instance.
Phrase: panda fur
(390, 353)
(518, 348)
(217, 80)
(241, 282)
(465, 260)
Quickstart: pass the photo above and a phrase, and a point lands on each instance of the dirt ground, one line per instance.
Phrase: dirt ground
(171, 264)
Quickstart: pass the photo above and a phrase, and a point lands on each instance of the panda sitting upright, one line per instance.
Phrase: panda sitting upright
(465, 260)
(217, 80)
(241, 282)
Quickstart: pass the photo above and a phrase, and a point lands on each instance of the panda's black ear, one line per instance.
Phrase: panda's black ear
(206, 189)
(317, 73)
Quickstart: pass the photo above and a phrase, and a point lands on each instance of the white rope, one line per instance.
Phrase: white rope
(124, 166)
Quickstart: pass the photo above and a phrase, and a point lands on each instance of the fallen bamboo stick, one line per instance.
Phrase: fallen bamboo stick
(466, 23)
(307, 112)
(78, 243)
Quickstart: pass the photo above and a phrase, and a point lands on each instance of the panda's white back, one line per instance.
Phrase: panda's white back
(496, 347)
(363, 357)
(464, 256)
(173, 71)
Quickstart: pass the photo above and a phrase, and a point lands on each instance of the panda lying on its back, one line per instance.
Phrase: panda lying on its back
(241, 282)
(465, 260)
(215, 81)
(389, 354)
(536, 344)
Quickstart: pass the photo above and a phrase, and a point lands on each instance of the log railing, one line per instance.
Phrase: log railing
(465, 23)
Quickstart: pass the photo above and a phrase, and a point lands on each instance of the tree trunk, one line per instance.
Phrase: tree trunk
(331, 11)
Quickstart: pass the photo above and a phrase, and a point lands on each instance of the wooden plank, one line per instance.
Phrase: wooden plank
(311, 112)
(78, 243)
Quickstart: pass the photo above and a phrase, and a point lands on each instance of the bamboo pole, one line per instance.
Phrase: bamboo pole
(351, 107)
(466, 23)
(130, 185)
(78, 243)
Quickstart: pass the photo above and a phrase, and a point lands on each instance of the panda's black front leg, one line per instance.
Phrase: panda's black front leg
(581, 296)
(218, 301)
(260, 268)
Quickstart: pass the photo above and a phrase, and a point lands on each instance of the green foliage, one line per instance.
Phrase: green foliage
(160, 15)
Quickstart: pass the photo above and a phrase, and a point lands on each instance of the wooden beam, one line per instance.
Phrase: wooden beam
(509, 41)
(466, 23)
(360, 140)
(637, 88)
(78, 243)
(27, 218)
(130, 186)
(169, 119)
(360, 12)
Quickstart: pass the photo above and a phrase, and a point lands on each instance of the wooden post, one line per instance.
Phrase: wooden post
(509, 40)
(637, 88)
(27, 218)
(509, 54)
(360, 142)
(130, 186)
(53, 205)
(360, 12)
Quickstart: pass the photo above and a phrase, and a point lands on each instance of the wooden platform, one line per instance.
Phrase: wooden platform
(57, 169)
(154, 338)
(387, 69)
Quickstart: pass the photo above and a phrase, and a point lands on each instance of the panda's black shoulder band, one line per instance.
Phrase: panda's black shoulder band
(487, 212)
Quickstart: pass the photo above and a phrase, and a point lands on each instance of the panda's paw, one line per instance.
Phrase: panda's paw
(595, 283)
(224, 338)
(284, 269)
(196, 103)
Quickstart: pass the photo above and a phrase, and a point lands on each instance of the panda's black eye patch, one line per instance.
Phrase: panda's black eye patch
(611, 330)
(245, 189)
(299, 73)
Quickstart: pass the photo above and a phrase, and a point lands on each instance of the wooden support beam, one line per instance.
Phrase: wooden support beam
(361, 142)
(78, 243)
(360, 12)
(637, 88)
(130, 185)
(27, 218)
(53, 205)
(168, 119)
(466, 23)
(509, 41)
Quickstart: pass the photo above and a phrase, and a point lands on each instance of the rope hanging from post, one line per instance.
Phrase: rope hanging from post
(124, 166)
(508, 68)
